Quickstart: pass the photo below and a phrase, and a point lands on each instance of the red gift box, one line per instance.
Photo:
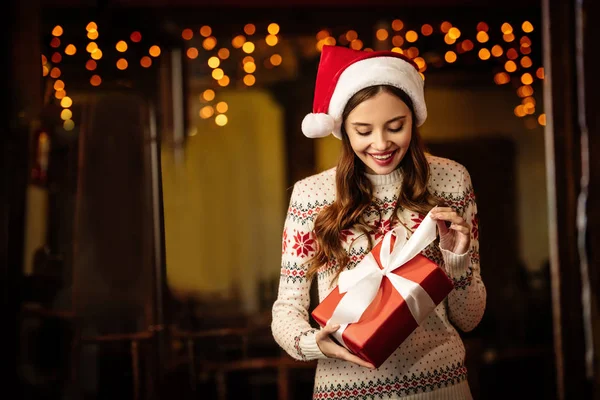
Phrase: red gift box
(388, 320)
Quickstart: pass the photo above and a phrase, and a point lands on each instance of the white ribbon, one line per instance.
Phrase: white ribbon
(362, 283)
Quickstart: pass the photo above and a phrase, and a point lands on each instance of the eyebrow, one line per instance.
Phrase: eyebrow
(398, 118)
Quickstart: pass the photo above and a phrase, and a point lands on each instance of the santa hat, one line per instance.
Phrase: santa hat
(343, 72)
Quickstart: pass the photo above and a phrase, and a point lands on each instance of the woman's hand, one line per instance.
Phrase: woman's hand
(455, 238)
(333, 350)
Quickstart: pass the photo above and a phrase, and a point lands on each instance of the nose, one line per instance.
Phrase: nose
(381, 141)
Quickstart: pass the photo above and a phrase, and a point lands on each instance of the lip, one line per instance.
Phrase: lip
(386, 162)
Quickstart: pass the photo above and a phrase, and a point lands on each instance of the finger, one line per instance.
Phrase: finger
(462, 228)
(436, 210)
(442, 227)
(346, 355)
(449, 216)
(327, 330)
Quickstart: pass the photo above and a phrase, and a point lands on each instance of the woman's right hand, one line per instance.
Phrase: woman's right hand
(333, 350)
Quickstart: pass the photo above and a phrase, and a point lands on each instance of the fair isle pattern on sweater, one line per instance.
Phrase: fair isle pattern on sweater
(433, 356)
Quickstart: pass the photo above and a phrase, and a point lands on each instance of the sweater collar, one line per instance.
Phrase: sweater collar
(379, 180)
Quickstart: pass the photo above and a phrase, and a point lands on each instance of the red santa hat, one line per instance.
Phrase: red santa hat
(343, 72)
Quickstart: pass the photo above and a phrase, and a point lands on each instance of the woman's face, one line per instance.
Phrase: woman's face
(380, 129)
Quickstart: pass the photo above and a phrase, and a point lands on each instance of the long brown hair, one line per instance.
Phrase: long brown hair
(354, 190)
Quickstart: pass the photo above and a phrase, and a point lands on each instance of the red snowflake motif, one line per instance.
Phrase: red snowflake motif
(417, 220)
(345, 234)
(475, 227)
(381, 228)
(285, 241)
(304, 244)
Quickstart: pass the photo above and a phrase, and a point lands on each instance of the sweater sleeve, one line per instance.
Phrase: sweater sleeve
(466, 303)
(290, 322)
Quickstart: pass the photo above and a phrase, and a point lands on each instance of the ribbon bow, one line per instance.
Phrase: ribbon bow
(362, 282)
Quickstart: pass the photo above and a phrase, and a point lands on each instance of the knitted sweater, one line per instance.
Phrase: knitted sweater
(430, 363)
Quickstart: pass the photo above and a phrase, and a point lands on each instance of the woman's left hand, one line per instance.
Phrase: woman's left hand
(455, 238)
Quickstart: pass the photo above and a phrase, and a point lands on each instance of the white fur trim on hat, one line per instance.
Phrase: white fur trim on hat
(317, 125)
(377, 71)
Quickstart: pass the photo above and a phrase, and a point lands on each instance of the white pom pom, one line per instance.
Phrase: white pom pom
(317, 125)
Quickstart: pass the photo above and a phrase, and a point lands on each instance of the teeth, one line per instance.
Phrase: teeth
(382, 157)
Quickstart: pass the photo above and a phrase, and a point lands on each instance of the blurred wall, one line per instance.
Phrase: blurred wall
(225, 201)
(460, 113)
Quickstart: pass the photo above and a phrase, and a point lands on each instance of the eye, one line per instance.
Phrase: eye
(397, 129)
(367, 133)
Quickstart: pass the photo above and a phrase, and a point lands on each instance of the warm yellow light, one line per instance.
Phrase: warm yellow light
(506, 28)
(484, 54)
(45, 70)
(397, 50)
(249, 29)
(510, 66)
(450, 56)
(542, 119)
(422, 75)
(527, 27)
(238, 41)
(192, 53)
(508, 37)
(56, 58)
(525, 49)
(482, 26)
(209, 43)
(91, 27)
(397, 40)
(525, 91)
(223, 53)
(248, 47)
(448, 39)
(206, 31)
(224, 81)
(445, 27)
(271, 40)
(526, 62)
(66, 102)
(122, 64)
(187, 34)
(60, 94)
(68, 125)
(55, 72)
(411, 36)
(356, 44)
(97, 54)
(249, 80)
(497, 51)
(217, 73)
(351, 35)
(426, 30)
(412, 52)
(501, 78)
(276, 59)
(250, 67)
(221, 119)
(454, 33)
(146, 62)
(92, 35)
(482, 37)
(44, 59)
(540, 73)
(57, 30)
(512, 54)
(59, 85)
(66, 114)
(55, 42)
(520, 111)
(70, 50)
(121, 46)
(95, 80)
(222, 107)
(526, 79)
(90, 65)
(467, 45)
(382, 34)
(322, 34)
(154, 51)
(206, 112)
(247, 59)
(273, 28)
(214, 62)
(397, 25)
(91, 46)
(208, 95)
(420, 63)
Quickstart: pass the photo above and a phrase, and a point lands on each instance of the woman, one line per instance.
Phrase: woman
(374, 103)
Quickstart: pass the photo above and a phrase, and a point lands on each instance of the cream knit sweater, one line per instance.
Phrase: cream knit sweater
(430, 363)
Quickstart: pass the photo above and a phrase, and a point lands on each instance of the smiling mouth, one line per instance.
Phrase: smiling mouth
(383, 156)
